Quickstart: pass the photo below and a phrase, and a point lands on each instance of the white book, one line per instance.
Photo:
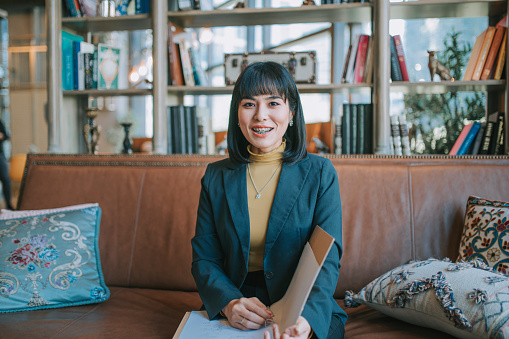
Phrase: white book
(85, 47)
(351, 62)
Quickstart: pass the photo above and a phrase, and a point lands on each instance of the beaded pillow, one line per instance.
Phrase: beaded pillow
(486, 233)
(465, 299)
(50, 258)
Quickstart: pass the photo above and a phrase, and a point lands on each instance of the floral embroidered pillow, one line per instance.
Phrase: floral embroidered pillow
(486, 233)
(51, 259)
(465, 299)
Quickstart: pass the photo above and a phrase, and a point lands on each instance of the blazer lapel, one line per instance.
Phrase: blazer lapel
(290, 184)
(235, 186)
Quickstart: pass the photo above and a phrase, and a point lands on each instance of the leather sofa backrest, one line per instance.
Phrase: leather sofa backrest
(394, 209)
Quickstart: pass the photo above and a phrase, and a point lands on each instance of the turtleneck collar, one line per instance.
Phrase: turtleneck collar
(272, 156)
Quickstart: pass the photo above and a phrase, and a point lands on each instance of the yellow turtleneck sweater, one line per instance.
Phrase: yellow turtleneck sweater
(262, 167)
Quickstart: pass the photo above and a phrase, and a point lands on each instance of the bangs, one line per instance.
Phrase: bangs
(262, 82)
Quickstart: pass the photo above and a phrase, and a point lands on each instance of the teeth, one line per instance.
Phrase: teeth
(262, 130)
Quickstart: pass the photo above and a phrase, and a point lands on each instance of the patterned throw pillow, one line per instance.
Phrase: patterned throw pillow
(51, 259)
(466, 299)
(486, 233)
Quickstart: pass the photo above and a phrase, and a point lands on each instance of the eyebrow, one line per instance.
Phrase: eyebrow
(272, 97)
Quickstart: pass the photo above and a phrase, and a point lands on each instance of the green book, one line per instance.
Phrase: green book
(108, 62)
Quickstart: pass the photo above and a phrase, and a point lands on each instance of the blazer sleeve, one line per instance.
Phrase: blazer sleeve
(215, 288)
(327, 214)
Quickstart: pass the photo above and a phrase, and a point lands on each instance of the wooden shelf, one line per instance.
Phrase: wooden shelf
(352, 12)
(110, 92)
(100, 24)
(303, 89)
(446, 9)
(447, 86)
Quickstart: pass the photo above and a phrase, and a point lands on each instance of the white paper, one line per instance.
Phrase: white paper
(198, 325)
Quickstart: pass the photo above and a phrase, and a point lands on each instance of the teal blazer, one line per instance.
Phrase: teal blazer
(307, 195)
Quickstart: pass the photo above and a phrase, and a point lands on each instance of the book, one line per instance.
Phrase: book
(88, 8)
(395, 68)
(141, 6)
(169, 137)
(469, 71)
(83, 48)
(88, 61)
(205, 134)
(360, 62)
(483, 53)
(345, 129)
(286, 310)
(354, 121)
(465, 139)
(176, 77)
(73, 8)
(497, 74)
(401, 57)
(347, 60)
(351, 60)
(361, 129)
(336, 120)
(108, 66)
(368, 73)
(476, 145)
(494, 51)
(405, 138)
(369, 125)
(497, 147)
(490, 127)
(68, 61)
(185, 60)
(191, 130)
(396, 135)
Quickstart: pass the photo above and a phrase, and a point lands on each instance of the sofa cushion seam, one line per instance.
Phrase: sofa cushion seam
(135, 231)
(411, 202)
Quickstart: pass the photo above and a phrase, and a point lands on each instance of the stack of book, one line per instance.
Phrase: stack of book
(358, 66)
(88, 66)
(184, 68)
(399, 71)
(488, 55)
(354, 131)
(89, 8)
(481, 138)
(400, 139)
(189, 130)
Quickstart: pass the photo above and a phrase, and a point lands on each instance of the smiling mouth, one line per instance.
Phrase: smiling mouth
(262, 130)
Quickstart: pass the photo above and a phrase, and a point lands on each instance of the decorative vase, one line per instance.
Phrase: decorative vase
(91, 131)
(128, 142)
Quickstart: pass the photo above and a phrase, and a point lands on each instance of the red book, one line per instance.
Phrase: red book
(360, 61)
(502, 22)
(461, 138)
(401, 57)
(492, 54)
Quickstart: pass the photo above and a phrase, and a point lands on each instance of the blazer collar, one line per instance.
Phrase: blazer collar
(290, 184)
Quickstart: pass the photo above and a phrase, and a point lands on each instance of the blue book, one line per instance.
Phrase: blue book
(68, 64)
(469, 138)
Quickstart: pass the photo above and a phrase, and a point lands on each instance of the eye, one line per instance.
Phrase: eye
(274, 103)
(247, 104)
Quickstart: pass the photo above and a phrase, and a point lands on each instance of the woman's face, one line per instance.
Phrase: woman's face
(263, 120)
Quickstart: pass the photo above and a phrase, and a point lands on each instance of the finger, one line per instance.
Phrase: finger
(259, 309)
(261, 305)
(266, 335)
(275, 331)
(251, 325)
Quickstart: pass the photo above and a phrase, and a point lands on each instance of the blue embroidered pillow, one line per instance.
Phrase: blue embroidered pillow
(486, 233)
(51, 260)
(465, 299)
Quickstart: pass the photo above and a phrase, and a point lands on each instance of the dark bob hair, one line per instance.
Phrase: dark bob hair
(265, 78)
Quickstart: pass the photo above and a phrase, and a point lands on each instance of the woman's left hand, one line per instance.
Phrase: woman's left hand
(301, 330)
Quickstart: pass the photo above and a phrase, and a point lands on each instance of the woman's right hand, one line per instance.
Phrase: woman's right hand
(247, 313)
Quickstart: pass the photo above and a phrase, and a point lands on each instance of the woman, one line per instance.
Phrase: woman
(259, 207)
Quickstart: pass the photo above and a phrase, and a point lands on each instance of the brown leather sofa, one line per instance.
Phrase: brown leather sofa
(394, 210)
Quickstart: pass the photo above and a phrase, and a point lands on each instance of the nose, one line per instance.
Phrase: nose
(261, 113)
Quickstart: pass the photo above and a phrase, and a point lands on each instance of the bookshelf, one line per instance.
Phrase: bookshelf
(378, 12)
